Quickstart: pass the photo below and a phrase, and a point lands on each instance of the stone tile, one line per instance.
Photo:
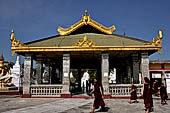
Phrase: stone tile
(73, 105)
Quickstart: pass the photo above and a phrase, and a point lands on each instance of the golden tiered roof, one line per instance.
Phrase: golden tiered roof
(86, 20)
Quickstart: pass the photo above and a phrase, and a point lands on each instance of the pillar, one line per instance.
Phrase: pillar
(163, 77)
(66, 82)
(27, 75)
(129, 73)
(39, 70)
(135, 68)
(105, 73)
(47, 75)
(145, 65)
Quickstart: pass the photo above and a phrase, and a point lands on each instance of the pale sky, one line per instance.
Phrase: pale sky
(37, 19)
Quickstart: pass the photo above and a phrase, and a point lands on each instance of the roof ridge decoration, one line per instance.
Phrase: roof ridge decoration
(85, 42)
(157, 41)
(86, 20)
(15, 43)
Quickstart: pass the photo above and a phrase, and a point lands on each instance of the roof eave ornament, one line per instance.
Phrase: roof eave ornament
(85, 42)
(157, 41)
(15, 43)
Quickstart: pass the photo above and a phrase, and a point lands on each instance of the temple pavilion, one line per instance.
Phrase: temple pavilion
(85, 45)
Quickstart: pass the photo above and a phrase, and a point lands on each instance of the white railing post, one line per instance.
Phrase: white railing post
(124, 89)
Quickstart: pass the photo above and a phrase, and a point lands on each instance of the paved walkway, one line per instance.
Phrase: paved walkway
(73, 105)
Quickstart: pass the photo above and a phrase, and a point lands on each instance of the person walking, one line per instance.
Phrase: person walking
(155, 88)
(163, 94)
(98, 94)
(147, 95)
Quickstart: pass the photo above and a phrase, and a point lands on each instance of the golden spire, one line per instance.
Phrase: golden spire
(12, 35)
(86, 12)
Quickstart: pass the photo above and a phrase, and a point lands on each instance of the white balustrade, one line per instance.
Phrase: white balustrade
(46, 90)
(124, 89)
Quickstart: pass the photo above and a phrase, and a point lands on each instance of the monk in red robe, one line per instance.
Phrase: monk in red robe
(133, 94)
(155, 87)
(163, 94)
(98, 93)
(147, 95)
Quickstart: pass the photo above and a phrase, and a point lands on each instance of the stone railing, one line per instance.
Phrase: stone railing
(46, 90)
(124, 89)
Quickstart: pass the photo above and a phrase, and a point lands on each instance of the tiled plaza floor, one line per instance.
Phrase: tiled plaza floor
(13, 104)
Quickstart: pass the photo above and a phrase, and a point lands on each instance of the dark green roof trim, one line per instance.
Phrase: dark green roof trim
(41, 39)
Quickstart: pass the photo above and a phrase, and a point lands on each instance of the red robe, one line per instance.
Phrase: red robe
(98, 101)
(133, 93)
(163, 93)
(155, 86)
(147, 96)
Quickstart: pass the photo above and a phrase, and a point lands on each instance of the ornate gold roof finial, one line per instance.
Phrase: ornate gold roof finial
(160, 34)
(86, 12)
(15, 43)
(12, 35)
(157, 41)
(12, 31)
(86, 18)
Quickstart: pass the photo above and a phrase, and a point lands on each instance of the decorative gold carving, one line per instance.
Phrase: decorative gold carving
(85, 43)
(3, 72)
(15, 43)
(157, 42)
(86, 20)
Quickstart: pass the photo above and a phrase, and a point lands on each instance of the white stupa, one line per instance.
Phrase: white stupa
(15, 71)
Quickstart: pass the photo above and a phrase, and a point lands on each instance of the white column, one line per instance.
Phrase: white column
(27, 74)
(66, 70)
(105, 72)
(145, 65)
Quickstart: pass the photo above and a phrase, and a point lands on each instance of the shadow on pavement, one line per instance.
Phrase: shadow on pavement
(106, 109)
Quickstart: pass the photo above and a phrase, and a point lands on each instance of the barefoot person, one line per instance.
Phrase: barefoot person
(163, 94)
(147, 95)
(98, 93)
(133, 94)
